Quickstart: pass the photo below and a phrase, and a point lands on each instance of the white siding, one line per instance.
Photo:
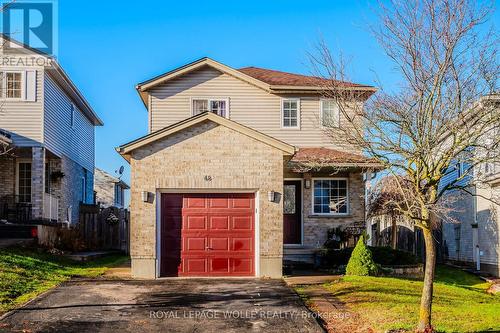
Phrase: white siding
(75, 142)
(24, 119)
(248, 105)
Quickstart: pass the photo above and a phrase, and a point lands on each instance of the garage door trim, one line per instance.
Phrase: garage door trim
(207, 191)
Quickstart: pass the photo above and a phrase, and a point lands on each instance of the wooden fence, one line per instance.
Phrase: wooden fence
(104, 228)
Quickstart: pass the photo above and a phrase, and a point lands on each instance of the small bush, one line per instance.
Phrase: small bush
(384, 256)
(361, 262)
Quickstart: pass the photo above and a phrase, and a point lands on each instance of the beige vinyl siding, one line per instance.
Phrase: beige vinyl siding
(76, 142)
(248, 105)
(24, 119)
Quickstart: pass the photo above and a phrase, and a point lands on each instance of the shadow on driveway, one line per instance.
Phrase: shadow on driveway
(188, 305)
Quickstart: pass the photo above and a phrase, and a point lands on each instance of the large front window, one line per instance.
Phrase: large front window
(217, 106)
(330, 196)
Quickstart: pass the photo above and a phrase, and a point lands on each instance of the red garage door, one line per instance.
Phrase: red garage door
(207, 234)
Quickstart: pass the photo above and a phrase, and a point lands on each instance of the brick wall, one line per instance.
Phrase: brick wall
(316, 227)
(7, 176)
(71, 189)
(181, 161)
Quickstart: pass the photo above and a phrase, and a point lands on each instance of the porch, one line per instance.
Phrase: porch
(323, 201)
(30, 186)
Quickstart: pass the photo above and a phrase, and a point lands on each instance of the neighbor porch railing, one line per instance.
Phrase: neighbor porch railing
(50, 207)
(12, 210)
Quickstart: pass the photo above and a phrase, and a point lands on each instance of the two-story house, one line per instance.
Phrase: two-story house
(109, 191)
(472, 233)
(47, 165)
(217, 187)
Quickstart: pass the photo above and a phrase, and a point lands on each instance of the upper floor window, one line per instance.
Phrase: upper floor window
(330, 196)
(13, 85)
(330, 113)
(215, 105)
(290, 113)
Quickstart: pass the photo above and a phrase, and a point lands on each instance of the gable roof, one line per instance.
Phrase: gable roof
(266, 79)
(100, 174)
(278, 78)
(62, 79)
(127, 148)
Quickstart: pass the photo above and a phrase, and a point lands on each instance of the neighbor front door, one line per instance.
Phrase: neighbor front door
(292, 212)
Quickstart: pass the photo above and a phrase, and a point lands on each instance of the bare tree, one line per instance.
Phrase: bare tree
(444, 112)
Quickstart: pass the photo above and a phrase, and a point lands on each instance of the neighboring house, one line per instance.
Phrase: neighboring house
(215, 185)
(109, 191)
(474, 226)
(49, 126)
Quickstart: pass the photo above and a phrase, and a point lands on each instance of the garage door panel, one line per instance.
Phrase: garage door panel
(242, 203)
(242, 266)
(217, 235)
(242, 223)
(242, 244)
(195, 265)
(195, 202)
(195, 244)
(219, 222)
(195, 223)
(219, 244)
(218, 203)
(219, 265)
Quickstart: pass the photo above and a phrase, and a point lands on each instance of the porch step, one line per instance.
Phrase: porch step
(297, 255)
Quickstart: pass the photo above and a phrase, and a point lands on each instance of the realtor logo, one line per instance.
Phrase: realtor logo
(32, 23)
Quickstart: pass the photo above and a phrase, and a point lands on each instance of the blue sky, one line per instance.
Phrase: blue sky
(107, 47)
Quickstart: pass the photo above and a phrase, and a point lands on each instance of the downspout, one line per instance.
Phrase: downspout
(475, 233)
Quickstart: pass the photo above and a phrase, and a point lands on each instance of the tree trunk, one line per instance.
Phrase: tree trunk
(394, 233)
(424, 324)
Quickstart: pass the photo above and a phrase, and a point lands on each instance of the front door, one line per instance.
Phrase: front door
(292, 212)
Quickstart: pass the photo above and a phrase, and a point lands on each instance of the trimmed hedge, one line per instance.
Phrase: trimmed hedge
(384, 256)
(361, 262)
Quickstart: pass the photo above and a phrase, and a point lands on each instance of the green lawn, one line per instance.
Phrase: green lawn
(27, 272)
(461, 303)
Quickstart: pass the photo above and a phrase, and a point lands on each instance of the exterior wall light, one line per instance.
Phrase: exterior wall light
(271, 196)
(145, 196)
(307, 184)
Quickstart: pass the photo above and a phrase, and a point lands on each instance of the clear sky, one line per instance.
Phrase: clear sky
(107, 47)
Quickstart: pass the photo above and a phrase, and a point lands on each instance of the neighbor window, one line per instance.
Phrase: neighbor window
(330, 196)
(13, 84)
(72, 115)
(24, 182)
(290, 113)
(118, 195)
(330, 113)
(217, 106)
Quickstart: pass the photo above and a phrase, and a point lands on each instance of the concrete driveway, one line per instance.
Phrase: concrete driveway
(201, 305)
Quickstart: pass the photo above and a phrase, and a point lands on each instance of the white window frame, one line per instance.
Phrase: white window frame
(321, 100)
(19, 161)
(282, 113)
(348, 199)
(4, 85)
(209, 100)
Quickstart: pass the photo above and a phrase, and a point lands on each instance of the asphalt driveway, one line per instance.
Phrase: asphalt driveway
(201, 305)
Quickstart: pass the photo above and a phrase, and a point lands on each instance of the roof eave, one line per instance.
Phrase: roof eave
(127, 148)
(83, 103)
